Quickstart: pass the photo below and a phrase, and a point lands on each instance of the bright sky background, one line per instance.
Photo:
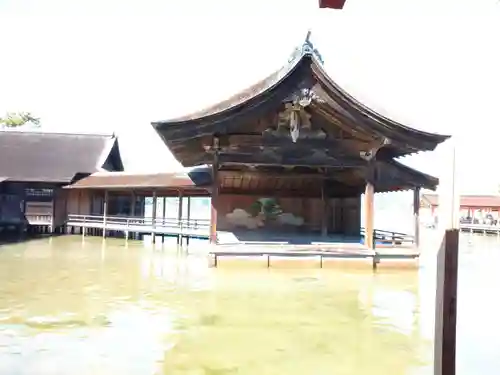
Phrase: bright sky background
(116, 65)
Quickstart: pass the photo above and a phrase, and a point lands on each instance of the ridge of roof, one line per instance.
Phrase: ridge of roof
(305, 50)
(38, 132)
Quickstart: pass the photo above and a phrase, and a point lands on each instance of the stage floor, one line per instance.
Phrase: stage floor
(259, 241)
(274, 238)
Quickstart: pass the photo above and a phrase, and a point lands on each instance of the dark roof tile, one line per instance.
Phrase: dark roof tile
(54, 157)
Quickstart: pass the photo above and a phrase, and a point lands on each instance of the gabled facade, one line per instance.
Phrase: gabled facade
(35, 165)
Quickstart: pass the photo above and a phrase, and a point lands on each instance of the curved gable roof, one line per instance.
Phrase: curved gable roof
(303, 70)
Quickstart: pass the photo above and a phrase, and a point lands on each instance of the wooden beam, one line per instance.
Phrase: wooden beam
(446, 305)
(270, 141)
(291, 193)
(266, 174)
(263, 159)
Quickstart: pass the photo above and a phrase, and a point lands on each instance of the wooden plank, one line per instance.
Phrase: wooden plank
(269, 141)
(273, 159)
(446, 305)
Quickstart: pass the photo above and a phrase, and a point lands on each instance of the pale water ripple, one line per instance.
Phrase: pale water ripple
(103, 307)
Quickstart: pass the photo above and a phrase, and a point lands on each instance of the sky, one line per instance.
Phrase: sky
(116, 65)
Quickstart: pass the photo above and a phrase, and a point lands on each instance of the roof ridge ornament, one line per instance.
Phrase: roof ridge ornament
(307, 48)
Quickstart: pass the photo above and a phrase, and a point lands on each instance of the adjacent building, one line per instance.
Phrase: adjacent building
(471, 206)
(34, 166)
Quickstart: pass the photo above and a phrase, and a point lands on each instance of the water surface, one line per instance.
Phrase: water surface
(103, 307)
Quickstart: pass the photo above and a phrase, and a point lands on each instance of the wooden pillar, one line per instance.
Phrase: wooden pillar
(215, 196)
(416, 215)
(179, 218)
(369, 207)
(164, 211)
(446, 305)
(188, 216)
(324, 210)
(53, 219)
(369, 215)
(153, 221)
(179, 209)
(105, 213)
(132, 204)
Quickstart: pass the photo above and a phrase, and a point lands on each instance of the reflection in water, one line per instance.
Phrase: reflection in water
(114, 308)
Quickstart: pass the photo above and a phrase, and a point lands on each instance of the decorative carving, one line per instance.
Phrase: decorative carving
(375, 147)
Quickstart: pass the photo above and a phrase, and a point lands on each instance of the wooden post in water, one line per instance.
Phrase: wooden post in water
(370, 210)
(164, 211)
(153, 221)
(446, 304)
(132, 212)
(215, 193)
(188, 217)
(416, 215)
(105, 212)
(324, 210)
(179, 218)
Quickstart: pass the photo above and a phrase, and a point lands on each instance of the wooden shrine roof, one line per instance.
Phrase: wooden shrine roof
(56, 157)
(199, 177)
(330, 102)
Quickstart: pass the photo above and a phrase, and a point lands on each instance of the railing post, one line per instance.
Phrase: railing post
(105, 210)
(153, 221)
(83, 227)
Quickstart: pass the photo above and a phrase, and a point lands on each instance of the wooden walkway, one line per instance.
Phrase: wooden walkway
(171, 227)
(390, 246)
(480, 228)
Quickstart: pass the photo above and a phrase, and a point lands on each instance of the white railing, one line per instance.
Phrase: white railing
(39, 218)
(129, 221)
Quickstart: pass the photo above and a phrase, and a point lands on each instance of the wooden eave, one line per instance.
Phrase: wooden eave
(395, 176)
(268, 95)
(345, 182)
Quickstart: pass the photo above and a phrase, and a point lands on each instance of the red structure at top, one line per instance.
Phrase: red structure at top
(333, 4)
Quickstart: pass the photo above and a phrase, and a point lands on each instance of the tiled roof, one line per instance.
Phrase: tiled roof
(123, 180)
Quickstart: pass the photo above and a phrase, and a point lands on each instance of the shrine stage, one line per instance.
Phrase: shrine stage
(294, 250)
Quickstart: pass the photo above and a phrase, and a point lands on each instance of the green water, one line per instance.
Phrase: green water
(96, 307)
